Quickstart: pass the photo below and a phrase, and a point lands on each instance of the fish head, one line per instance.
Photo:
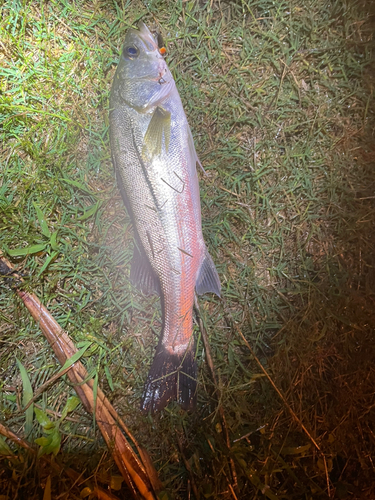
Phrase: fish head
(142, 79)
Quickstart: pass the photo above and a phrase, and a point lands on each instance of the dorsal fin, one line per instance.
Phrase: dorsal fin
(208, 279)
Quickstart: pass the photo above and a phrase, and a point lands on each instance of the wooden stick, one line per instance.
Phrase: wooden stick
(142, 484)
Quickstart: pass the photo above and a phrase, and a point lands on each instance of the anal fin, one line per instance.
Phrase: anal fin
(141, 273)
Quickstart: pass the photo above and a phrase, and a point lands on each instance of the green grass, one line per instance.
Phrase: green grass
(279, 96)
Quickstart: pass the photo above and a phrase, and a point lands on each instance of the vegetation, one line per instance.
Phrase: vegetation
(280, 99)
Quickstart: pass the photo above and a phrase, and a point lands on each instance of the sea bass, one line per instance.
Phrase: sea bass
(155, 163)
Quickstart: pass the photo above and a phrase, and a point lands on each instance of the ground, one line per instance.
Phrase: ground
(280, 100)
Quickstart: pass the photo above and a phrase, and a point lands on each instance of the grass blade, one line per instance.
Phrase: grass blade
(26, 397)
(42, 221)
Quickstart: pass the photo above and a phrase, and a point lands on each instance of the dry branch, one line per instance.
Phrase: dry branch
(97, 490)
(140, 475)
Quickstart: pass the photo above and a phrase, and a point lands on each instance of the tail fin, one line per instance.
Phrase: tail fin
(171, 377)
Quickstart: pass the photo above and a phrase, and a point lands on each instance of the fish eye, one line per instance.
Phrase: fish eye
(131, 52)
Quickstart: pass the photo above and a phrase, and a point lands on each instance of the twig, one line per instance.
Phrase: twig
(16, 439)
(99, 492)
(205, 342)
(141, 483)
(44, 386)
(213, 374)
(282, 397)
(188, 468)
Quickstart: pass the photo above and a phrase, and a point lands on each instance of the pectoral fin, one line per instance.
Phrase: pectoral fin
(159, 127)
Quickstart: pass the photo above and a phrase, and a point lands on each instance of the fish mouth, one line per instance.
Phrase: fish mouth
(161, 77)
(162, 74)
(145, 34)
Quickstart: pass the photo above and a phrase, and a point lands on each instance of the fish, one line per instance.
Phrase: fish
(155, 162)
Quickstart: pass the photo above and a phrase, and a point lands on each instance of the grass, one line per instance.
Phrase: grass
(280, 100)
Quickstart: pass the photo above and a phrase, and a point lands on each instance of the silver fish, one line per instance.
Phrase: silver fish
(155, 163)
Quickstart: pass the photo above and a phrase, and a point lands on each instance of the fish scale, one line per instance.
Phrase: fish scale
(155, 163)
